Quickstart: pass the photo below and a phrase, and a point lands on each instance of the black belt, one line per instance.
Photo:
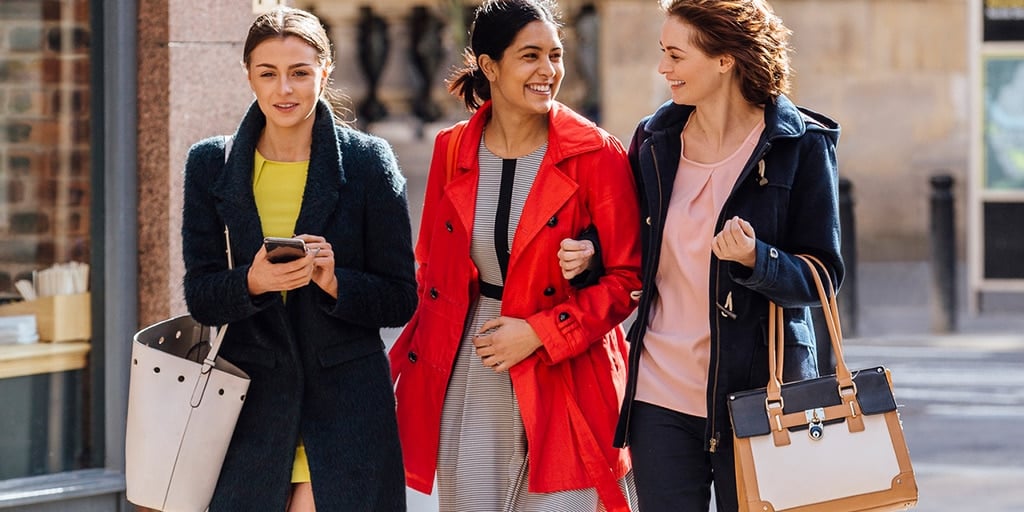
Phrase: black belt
(491, 291)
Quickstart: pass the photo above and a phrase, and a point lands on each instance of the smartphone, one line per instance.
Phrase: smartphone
(280, 250)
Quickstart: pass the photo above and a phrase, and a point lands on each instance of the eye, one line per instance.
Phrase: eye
(555, 57)
(267, 74)
(302, 72)
(530, 56)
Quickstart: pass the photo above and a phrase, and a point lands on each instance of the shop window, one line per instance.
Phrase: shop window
(45, 199)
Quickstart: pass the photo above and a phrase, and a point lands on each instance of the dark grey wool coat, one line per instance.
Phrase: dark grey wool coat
(317, 364)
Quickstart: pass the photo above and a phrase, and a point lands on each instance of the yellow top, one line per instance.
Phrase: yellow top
(278, 188)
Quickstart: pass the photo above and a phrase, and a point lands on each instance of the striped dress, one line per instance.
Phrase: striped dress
(482, 460)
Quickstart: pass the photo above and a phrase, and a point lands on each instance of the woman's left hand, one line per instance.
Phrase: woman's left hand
(736, 242)
(323, 263)
(574, 256)
(503, 342)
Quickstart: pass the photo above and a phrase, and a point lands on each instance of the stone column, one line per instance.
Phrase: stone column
(191, 86)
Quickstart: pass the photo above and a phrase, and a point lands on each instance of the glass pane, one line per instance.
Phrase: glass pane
(45, 145)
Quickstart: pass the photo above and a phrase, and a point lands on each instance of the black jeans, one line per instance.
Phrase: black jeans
(673, 472)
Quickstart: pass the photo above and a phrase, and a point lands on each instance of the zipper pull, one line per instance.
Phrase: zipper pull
(760, 172)
(713, 444)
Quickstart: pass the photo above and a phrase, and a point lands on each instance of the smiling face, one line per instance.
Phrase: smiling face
(530, 71)
(692, 75)
(287, 79)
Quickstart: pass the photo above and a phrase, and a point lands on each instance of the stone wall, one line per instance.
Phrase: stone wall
(893, 73)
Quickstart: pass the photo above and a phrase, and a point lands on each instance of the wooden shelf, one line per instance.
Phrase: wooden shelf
(36, 358)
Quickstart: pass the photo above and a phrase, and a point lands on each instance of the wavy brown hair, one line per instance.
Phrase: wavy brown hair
(750, 32)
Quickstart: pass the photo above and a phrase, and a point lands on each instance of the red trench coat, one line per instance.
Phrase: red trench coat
(569, 391)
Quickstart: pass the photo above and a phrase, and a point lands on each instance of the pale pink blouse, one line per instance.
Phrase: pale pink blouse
(677, 347)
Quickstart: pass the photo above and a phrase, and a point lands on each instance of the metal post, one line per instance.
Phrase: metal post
(847, 298)
(943, 251)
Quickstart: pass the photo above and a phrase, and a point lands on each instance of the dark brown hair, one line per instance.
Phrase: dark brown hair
(747, 30)
(495, 25)
(282, 22)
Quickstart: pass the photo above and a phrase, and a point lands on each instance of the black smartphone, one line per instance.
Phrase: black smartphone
(280, 250)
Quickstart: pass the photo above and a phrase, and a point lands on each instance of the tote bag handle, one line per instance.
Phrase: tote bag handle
(217, 332)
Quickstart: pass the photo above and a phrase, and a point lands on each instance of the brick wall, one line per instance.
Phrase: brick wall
(44, 135)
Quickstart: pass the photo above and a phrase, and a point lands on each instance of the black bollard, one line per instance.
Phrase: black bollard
(943, 251)
(847, 298)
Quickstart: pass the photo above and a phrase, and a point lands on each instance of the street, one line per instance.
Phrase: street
(962, 400)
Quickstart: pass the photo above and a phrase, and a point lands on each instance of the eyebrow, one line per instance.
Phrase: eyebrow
(293, 66)
(534, 47)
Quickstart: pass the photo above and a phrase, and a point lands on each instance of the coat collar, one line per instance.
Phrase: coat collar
(782, 118)
(569, 135)
(326, 175)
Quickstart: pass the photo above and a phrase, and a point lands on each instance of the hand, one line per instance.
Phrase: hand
(265, 276)
(736, 242)
(503, 342)
(574, 256)
(323, 263)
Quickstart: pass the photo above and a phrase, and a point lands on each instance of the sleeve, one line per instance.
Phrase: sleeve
(587, 315)
(214, 294)
(812, 227)
(383, 292)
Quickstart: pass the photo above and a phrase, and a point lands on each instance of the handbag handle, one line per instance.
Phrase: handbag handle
(218, 332)
(776, 336)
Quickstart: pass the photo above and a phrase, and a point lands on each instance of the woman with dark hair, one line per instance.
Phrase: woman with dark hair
(734, 180)
(509, 378)
(318, 428)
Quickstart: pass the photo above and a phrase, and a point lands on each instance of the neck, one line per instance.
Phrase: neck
(509, 135)
(723, 125)
(285, 144)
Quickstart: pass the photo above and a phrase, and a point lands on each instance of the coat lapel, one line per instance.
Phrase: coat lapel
(325, 177)
(233, 188)
(549, 193)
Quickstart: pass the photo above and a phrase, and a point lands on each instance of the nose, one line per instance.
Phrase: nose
(664, 66)
(547, 67)
(285, 85)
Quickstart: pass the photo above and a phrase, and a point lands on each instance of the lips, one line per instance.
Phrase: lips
(540, 88)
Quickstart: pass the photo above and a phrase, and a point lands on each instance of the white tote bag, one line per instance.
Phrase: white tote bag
(183, 403)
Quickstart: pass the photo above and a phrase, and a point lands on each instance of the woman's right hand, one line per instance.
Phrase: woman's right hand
(574, 256)
(265, 276)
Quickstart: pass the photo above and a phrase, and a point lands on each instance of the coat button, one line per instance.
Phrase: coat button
(412, 356)
(553, 221)
(563, 316)
(448, 225)
(648, 221)
(433, 293)
(549, 291)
